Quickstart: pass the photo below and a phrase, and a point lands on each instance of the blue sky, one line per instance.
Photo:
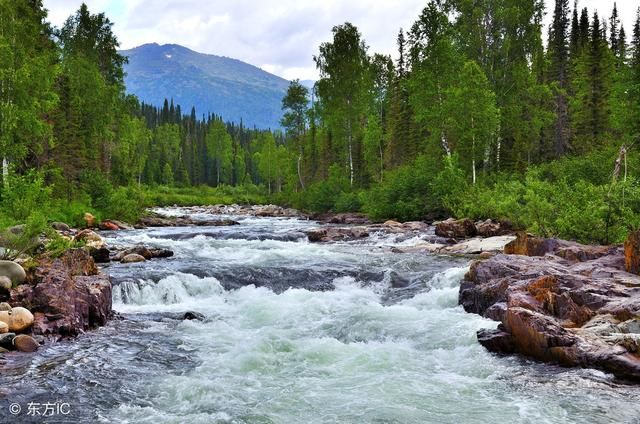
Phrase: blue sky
(280, 36)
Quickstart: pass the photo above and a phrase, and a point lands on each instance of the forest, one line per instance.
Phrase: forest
(475, 117)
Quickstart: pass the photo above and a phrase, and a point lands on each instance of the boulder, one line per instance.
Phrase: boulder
(4, 306)
(490, 228)
(18, 319)
(191, 315)
(24, 343)
(5, 283)
(100, 255)
(4, 327)
(632, 252)
(574, 306)
(67, 295)
(333, 234)
(108, 226)
(13, 271)
(476, 246)
(90, 238)
(122, 225)
(6, 340)
(132, 258)
(90, 220)
(456, 229)
(528, 245)
(60, 226)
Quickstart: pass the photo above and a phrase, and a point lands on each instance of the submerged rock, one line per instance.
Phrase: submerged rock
(191, 315)
(565, 307)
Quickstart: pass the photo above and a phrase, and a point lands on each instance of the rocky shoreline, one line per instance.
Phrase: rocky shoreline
(559, 302)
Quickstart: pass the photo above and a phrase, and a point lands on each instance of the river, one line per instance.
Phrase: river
(295, 332)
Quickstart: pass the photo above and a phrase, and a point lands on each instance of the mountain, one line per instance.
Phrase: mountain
(221, 85)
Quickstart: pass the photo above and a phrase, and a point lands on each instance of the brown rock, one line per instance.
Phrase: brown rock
(109, 226)
(580, 309)
(457, 229)
(527, 245)
(133, 258)
(90, 238)
(632, 252)
(21, 319)
(67, 295)
(4, 327)
(24, 343)
(490, 228)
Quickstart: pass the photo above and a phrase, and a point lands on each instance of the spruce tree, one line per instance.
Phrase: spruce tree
(559, 74)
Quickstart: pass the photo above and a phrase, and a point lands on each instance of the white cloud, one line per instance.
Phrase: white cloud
(280, 36)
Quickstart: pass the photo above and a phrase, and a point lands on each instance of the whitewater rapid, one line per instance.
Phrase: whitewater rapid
(296, 332)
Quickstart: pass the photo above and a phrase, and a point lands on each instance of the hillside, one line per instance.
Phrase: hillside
(221, 85)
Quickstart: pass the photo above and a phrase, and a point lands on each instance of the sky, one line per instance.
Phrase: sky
(279, 36)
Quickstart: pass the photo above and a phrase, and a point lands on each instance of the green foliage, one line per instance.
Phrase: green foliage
(24, 195)
(22, 239)
(57, 245)
(405, 194)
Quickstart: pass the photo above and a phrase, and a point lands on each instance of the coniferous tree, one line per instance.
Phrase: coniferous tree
(559, 74)
(295, 105)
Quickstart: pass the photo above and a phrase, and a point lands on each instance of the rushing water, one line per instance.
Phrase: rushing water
(295, 333)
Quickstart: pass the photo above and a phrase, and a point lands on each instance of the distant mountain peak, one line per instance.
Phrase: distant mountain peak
(212, 84)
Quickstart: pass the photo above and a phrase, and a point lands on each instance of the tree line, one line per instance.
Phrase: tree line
(472, 97)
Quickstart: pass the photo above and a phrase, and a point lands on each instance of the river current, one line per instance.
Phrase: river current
(295, 332)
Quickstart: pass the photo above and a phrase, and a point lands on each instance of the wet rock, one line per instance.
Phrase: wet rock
(161, 253)
(191, 315)
(4, 306)
(90, 220)
(132, 258)
(333, 234)
(60, 226)
(578, 309)
(155, 220)
(456, 229)
(90, 238)
(4, 327)
(6, 340)
(25, 343)
(632, 252)
(100, 255)
(13, 271)
(67, 295)
(496, 340)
